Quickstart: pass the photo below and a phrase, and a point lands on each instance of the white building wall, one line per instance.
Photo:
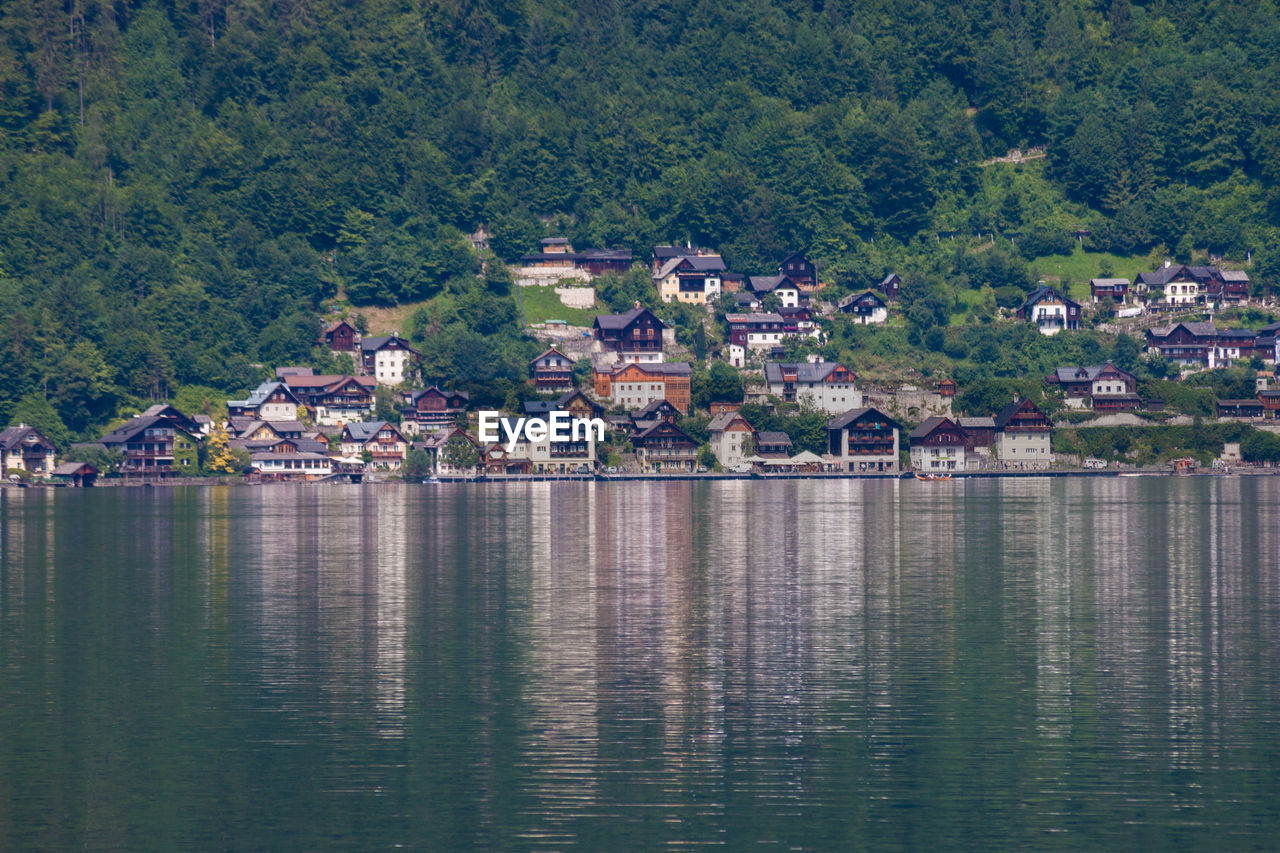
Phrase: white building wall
(1024, 449)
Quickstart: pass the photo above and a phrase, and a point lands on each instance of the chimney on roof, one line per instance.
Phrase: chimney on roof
(1167, 262)
(1017, 398)
(637, 303)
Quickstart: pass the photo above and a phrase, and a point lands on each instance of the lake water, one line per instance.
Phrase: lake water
(1043, 664)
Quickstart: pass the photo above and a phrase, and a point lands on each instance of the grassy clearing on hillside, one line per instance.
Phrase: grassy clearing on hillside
(1080, 266)
(542, 304)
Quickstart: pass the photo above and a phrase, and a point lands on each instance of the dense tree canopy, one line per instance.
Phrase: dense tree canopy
(184, 184)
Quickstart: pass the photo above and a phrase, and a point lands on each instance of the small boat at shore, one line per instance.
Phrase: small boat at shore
(930, 477)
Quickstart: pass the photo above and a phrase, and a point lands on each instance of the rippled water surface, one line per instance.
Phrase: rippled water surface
(1087, 664)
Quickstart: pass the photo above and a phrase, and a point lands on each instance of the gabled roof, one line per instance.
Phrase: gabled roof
(663, 427)
(260, 395)
(806, 374)
(70, 469)
(977, 423)
(1238, 334)
(338, 324)
(799, 255)
(1040, 294)
(753, 318)
(1201, 329)
(375, 344)
(888, 280)
(415, 396)
(1234, 275)
(1082, 374)
(15, 435)
(772, 437)
(930, 424)
(621, 321)
(696, 263)
(842, 421)
(365, 431)
(552, 351)
(724, 420)
(653, 408)
(762, 284)
(866, 298)
(138, 424)
(1002, 419)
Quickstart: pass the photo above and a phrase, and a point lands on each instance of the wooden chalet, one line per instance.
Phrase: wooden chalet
(889, 286)
(800, 270)
(979, 432)
(432, 409)
(1103, 387)
(1185, 343)
(1270, 400)
(552, 371)
(773, 444)
(334, 399)
(341, 336)
(383, 441)
(1115, 289)
(867, 308)
(938, 445)
(1050, 311)
(864, 440)
(665, 448)
(155, 446)
(1240, 409)
(635, 335)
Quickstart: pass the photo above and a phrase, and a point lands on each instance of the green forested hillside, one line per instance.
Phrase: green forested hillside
(183, 184)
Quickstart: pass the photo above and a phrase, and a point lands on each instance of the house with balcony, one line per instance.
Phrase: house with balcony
(664, 448)
(431, 409)
(385, 445)
(334, 399)
(636, 336)
(1050, 311)
(1187, 343)
(866, 308)
(270, 401)
(1023, 436)
(691, 279)
(25, 448)
(1115, 289)
(938, 446)
(826, 387)
(156, 445)
(552, 371)
(773, 444)
(864, 440)
(1103, 387)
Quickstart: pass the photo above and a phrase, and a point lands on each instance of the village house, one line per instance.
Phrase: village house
(576, 456)
(938, 445)
(636, 336)
(557, 257)
(445, 448)
(889, 286)
(341, 336)
(1182, 285)
(1050, 311)
(289, 458)
(633, 386)
(1230, 346)
(826, 387)
(773, 444)
(1240, 409)
(866, 308)
(1104, 387)
(389, 360)
(755, 331)
(800, 270)
(552, 371)
(383, 442)
(431, 409)
(731, 439)
(24, 448)
(1116, 289)
(576, 403)
(1183, 343)
(1023, 436)
(164, 443)
(80, 474)
(640, 420)
(664, 448)
(270, 401)
(692, 279)
(864, 440)
(334, 399)
(785, 288)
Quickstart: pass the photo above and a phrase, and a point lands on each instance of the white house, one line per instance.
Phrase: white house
(729, 433)
(826, 387)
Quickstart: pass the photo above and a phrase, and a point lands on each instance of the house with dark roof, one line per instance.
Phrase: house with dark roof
(340, 336)
(25, 448)
(664, 448)
(334, 399)
(889, 286)
(938, 445)
(1116, 289)
(270, 401)
(731, 438)
(431, 409)
(827, 387)
(1050, 311)
(864, 440)
(389, 359)
(1184, 343)
(552, 371)
(866, 308)
(787, 289)
(155, 446)
(636, 335)
(557, 252)
(1022, 436)
(692, 279)
(383, 441)
(1102, 387)
(773, 444)
(576, 403)
(800, 270)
